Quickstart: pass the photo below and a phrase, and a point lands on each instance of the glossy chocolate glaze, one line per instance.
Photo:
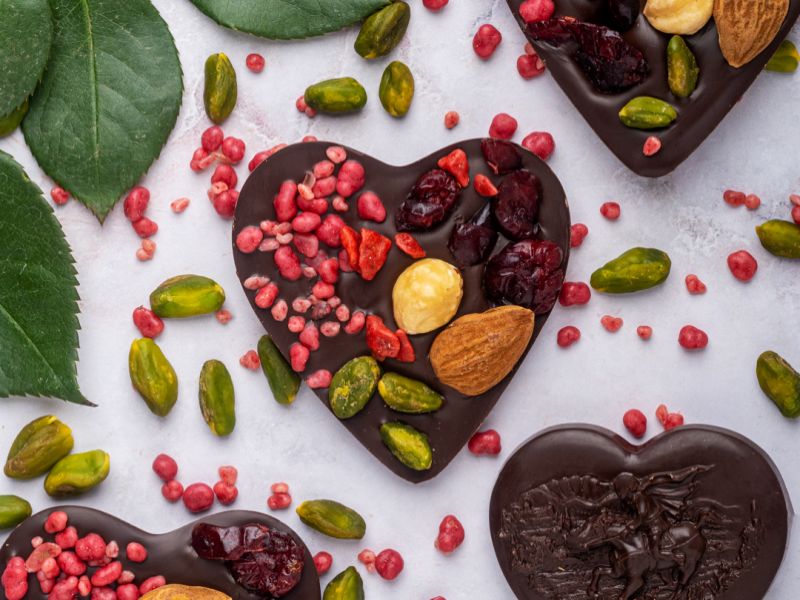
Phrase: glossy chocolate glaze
(728, 473)
(719, 88)
(169, 554)
(451, 427)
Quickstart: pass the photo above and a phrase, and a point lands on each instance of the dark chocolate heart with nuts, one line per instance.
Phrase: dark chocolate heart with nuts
(696, 512)
(407, 297)
(607, 53)
(237, 554)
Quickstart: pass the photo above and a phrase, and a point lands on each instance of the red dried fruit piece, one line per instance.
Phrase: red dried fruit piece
(635, 422)
(451, 535)
(611, 324)
(673, 420)
(692, 338)
(135, 552)
(372, 253)
(533, 11)
(351, 242)
(434, 5)
(323, 561)
(485, 442)
(147, 322)
(610, 63)
(472, 242)
(165, 467)
(526, 273)
(198, 497)
(382, 341)
(652, 146)
(567, 336)
(743, 265)
(406, 354)
(486, 40)
(451, 119)
(516, 207)
(430, 201)
(484, 186)
(695, 286)
(255, 62)
(734, 198)
(59, 195)
(503, 126)
(574, 292)
(389, 564)
(577, 233)
(135, 203)
(501, 157)
(457, 164)
(530, 66)
(644, 331)
(172, 491)
(540, 143)
(611, 210)
(370, 207)
(407, 243)
(661, 413)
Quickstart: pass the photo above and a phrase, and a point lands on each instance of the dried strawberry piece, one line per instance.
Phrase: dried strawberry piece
(457, 164)
(406, 353)
(350, 242)
(372, 253)
(381, 340)
(407, 243)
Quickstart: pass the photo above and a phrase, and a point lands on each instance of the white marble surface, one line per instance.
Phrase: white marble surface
(754, 149)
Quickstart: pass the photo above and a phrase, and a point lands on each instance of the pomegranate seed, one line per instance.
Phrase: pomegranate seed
(734, 198)
(673, 420)
(485, 442)
(135, 203)
(255, 282)
(255, 62)
(451, 535)
(486, 41)
(179, 205)
(484, 186)
(266, 296)
(451, 119)
(540, 143)
(652, 146)
(145, 228)
(356, 323)
(225, 174)
(367, 558)
(692, 338)
(661, 413)
(225, 203)
(225, 493)
(228, 474)
(250, 360)
(298, 356)
(319, 379)
(59, 195)
(309, 337)
(279, 501)
(198, 497)
(635, 422)
(530, 66)
(67, 539)
(152, 583)
(389, 564)
(695, 286)
(146, 251)
(172, 491)
(611, 324)
(503, 126)
(752, 202)
(370, 208)
(280, 310)
(336, 154)
(233, 149)
(573, 293)
(107, 575)
(223, 316)
(796, 214)
(248, 239)
(323, 561)
(644, 331)
(212, 138)
(136, 552)
(567, 336)
(577, 234)
(743, 265)
(165, 467)
(533, 11)
(611, 211)
(434, 5)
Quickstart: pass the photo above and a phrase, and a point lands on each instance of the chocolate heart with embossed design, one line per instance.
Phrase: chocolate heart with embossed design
(719, 88)
(449, 428)
(169, 554)
(696, 512)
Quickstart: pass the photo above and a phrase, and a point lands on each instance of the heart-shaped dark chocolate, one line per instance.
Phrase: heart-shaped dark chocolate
(719, 87)
(169, 554)
(697, 512)
(449, 428)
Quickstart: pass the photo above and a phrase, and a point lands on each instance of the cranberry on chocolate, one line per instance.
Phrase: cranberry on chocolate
(472, 242)
(516, 207)
(430, 202)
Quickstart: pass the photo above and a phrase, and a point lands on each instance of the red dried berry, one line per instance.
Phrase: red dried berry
(533, 11)
(370, 207)
(298, 356)
(135, 203)
(67, 538)
(248, 239)
(451, 119)
(266, 296)
(644, 331)
(152, 583)
(611, 324)
(694, 285)
(457, 164)
(611, 211)
(255, 62)
(752, 202)
(692, 338)
(673, 420)
(59, 195)
(319, 379)
(71, 565)
(389, 564)
(472, 242)
(485, 442)
(743, 265)
(577, 234)
(502, 157)
(451, 535)
(165, 467)
(172, 491)
(279, 501)
(407, 353)
(567, 336)
(796, 214)
(503, 127)
(661, 413)
(539, 143)
(212, 138)
(56, 522)
(225, 174)
(530, 66)
(372, 253)
(434, 5)
(145, 228)
(734, 198)
(652, 146)
(484, 186)
(225, 493)
(90, 548)
(635, 422)
(250, 360)
(516, 207)
(225, 203)
(574, 292)
(288, 263)
(233, 149)
(323, 562)
(408, 245)
(350, 179)
(367, 558)
(486, 41)
(198, 497)
(382, 341)
(136, 552)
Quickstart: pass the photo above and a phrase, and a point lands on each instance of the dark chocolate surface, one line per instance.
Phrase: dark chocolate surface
(719, 88)
(169, 554)
(717, 496)
(451, 427)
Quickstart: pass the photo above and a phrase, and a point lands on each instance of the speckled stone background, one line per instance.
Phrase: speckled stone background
(755, 149)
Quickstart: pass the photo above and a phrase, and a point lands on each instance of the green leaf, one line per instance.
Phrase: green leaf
(38, 300)
(26, 31)
(109, 98)
(288, 19)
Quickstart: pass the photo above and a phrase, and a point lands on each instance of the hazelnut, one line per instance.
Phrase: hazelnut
(427, 295)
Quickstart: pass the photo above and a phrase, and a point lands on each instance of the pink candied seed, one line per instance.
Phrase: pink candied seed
(280, 310)
(306, 192)
(84, 586)
(103, 594)
(336, 154)
(694, 285)
(296, 324)
(301, 305)
(611, 324)
(795, 199)
(334, 302)
(223, 316)
(228, 474)
(652, 146)
(319, 379)
(316, 205)
(71, 564)
(434, 6)
(56, 522)
(486, 41)
(135, 203)
(323, 290)
(266, 296)
(344, 262)
(153, 583)
(136, 552)
(644, 331)
(285, 206)
(255, 62)
(370, 207)
(340, 204)
(225, 493)
(198, 162)
(330, 328)
(37, 541)
(288, 263)
(269, 227)
(216, 189)
(64, 590)
(172, 491)
(59, 195)
(309, 337)
(534, 11)
(503, 127)
(541, 143)
(356, 323)
(328, 271)
(283, 227)
(225, 174)
(692, 338)
(255, 282)
(126, 577)
(212, 138)
(225, 203)
(298, 356)
(367, 558)
(329, 231)
(315, 261)
(50, 569)
(306, 222)
(611, 210)
(530, 66)
(127, 591)
(180, 205)
(279, 501)
(269, 245)
(343, 313)
(112, 549)
(451, 119)
(107, 575)
(248, 239)
(324, 187)
(323, 561)
(734, 197)
(351, 178)
(233, 149)
(67, 538)
(309, 272)
(324, 168)
(249, 360)
(40, 554)
(145, 227)
(752, 202)
(577, 234)
(307, 244)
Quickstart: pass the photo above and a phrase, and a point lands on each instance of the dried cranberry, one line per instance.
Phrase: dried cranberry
(217, 543)
(635, 422)
(473, 241)
(429, 203)
(611, 63)
(526, 273)
(501, 156)
(516, 207)
(622, 14)
(274, 569)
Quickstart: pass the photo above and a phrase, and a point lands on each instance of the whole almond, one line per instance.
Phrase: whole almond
(478, 350)
(747, 27)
